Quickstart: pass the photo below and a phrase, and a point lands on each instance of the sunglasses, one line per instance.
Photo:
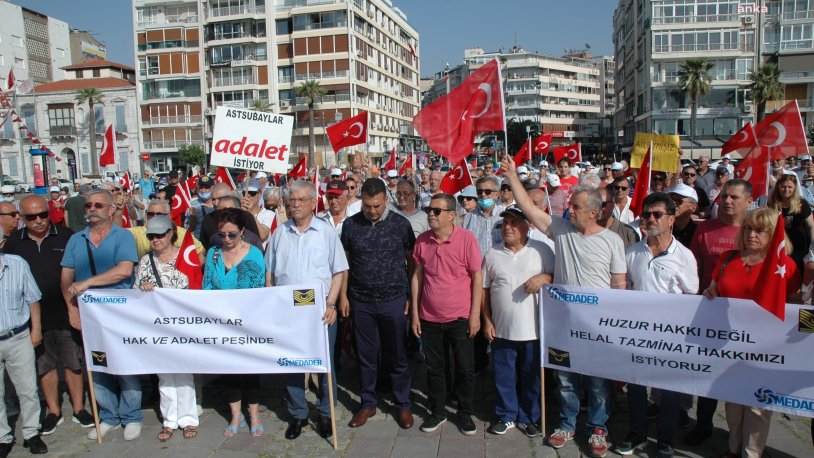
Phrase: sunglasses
(656, 215)
(253, 193)
(485, 192)
(8, 195)
(151, 214)
(230, 235)
(436, 211)
(463, 198)
(12, 214)
(505, 188)
(96, 205)
(351, 187)
(33, 217)
(621, 188)
(608, 169)
(270, 207)
(152, 237)
(689, 174)
(404, 194)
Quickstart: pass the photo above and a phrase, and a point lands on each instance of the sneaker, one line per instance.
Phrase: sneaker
(529, 429)
(559, 438)
(200, 409)
(104, 428)
(49, 424)
(500, 427)
(598, 443)
(630, 444)
(467, 425)
(665, 451)
(433, 423)
(132, 431)
(84, 419)
(653, 411)
(684, 420)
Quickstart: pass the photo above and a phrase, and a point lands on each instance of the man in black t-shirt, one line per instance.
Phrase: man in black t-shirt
(686, 202)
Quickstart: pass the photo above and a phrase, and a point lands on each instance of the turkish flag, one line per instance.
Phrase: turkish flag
(408, 163)
(742, 142)
(108, 155)
(187, 262)
(391, 162)
(180, 204)
(274, 224)
(572, 152)
(450, 123)
(223, 176)
(352, 131)
(126, 182)
(456, 179)
(10, 79)
(320, 206)
(541, 144)
(299, 170)
(523, 155)
(771, 295)
(642, 183)
(126, 222)
(783, 132)
(754, 167)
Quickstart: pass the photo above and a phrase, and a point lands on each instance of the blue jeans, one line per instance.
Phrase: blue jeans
(118, 398)
(598, 401)
(517, 400)
(297, 405)
(668, 419)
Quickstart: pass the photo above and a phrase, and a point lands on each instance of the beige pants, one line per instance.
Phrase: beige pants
(748, 429)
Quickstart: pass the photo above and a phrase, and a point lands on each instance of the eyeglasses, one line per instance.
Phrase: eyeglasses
(689, 174)
(485, 192)
(621, 188)
(656, 215)
(659, 178)
(404, 194)
(607, 202)
(253, 193)
(436, 211)
(463, 198)
(151, 214)
(152, 237)
(230, 235)
(96, 205)
(8, 194)
(608, 169)
(351, 188)
(505, 188)
(34, 216)
(12, 214)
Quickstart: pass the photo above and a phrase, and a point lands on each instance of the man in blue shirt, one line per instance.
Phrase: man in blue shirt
(306, 249)
(103, 256)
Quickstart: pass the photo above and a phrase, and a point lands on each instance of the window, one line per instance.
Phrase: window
(121, 119)
(12, 166)
(283, 26)
(60, 116)
(285, 74)
(97, 73)
(152, 65)
(320, 20)
(80, 74)
(84, 158)
(100, 118)
(123, 161)
(743, 67)
(30, 118)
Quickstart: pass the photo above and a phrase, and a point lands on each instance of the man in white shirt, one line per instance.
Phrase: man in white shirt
(337, 195)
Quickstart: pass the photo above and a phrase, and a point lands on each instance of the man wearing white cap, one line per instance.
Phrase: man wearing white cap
(8, 191)
(557, 198)
(686, 201)
(806, 175)
(392, 184)
(726, 161)
(336, 173)
(55, 210)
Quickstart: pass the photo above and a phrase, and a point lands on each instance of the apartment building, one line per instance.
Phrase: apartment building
(196, 55)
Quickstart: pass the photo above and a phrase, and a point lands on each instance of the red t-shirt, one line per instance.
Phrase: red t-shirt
(567, 183)
(56, 212)
(447, 292)
(711, 239)
(738, 282)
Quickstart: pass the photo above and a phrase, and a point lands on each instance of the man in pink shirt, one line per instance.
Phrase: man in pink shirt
(446, 295)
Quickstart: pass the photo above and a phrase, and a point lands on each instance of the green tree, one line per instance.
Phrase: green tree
(261, 105)
(765, 85)
(811, 135)
(312, 91)
(516, 131)
(694, 79)
(192, 155)
(91, 96)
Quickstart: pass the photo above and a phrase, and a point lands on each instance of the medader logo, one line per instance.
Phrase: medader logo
(299, 362)
(241, 147)
(574, 298)
(766, 396)
(103, 300)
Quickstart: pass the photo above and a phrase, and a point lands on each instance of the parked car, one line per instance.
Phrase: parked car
(19, 186)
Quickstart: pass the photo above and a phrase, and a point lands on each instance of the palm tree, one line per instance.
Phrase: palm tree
(765, 85)
(91, 96)
(694, 79)
(261, 105)
(312, 90)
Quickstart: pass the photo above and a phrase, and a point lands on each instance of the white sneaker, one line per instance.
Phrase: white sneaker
(200, 409)
(132, 431)
(104, 427)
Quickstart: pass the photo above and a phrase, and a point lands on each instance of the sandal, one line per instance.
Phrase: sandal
(190, 432)
(165, 434)
(256, 430)
(230, 430)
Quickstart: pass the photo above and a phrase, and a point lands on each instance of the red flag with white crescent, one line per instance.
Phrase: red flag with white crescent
(742, 142)
(274, 224)
(180, 204)
(10, 79)
(523, 155)
(456, 179)
(126, 222)
(391, 162)
(408, 163)
(754, 168)
(775, 274)
(188, 263)
(642, 183)
(108, 155)
(126, 182)
(299, 170)
(350, 132)
(223, 176)
(541, 144)
(320, 205)
(572, 152)
(783, 133)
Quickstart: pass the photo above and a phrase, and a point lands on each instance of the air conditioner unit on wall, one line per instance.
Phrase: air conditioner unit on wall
(748, 20)
(285, 103)
(207, 111)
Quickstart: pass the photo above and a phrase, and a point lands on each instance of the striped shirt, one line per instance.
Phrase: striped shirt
(17, 290)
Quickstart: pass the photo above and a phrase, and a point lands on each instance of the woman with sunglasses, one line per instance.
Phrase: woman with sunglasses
(237, 264)
(157, 269)
(736, 275)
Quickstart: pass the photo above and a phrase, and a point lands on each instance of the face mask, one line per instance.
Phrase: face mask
(204, 196)
(486, 204)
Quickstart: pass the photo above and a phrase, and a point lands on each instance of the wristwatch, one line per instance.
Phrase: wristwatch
(333, 306)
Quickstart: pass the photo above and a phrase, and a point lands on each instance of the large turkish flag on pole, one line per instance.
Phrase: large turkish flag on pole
(450, 123)
(352, 131)
(109, 150)
(771, 294)
(642, 183)
(783, 133)
(541, 144)
(571, 152)
(456, 179)
(187, 262)
(754, 167)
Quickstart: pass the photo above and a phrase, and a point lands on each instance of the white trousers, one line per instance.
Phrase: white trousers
(748, 429)
(177, 403)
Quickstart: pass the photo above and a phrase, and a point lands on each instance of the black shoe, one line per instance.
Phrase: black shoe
(653, 411)
(35, 445)
(467, 425)
(630, 444)
(5, 449)
(324, 427)
(84, 419)
(433, 423)
(684, 420)
(529, 429)
(665, 451)
(295, 428)
(50, 423)
(696, 436)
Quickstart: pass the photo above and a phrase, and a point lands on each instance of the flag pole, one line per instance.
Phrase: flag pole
(503, 107)
(94, 407)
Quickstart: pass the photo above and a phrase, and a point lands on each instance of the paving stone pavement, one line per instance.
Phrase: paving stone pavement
(380, 437)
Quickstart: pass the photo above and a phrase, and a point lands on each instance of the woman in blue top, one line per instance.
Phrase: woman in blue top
(237, 265)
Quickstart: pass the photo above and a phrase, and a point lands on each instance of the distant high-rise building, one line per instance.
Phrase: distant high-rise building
(84, 47)
(195, 55)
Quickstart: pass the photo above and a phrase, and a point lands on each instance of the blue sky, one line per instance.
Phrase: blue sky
(446, 27)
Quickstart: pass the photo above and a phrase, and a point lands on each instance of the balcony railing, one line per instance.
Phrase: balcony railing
(234, 81)
(170, 19)
(167, 144)
(791, 15)
(62, 130)
(285, 79)
(323, 75)
(235, 103)
(189, 119)
(324, 99)
(785, 76)
(235, 10)
(804, 104)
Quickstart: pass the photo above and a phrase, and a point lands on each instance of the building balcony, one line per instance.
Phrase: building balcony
(795, 15)
(168, 20)
(168, 144)
(796, 77)
(165, 120)
(62, 131)
(321, 76)
(804, 104)
(224, 11)
(338, 98)
(245, 80)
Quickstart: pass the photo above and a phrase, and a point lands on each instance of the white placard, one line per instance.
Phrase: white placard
(244, 331)
(249, 139)
(728, 349)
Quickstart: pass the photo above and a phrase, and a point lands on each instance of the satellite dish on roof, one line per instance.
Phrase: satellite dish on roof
(587, 46)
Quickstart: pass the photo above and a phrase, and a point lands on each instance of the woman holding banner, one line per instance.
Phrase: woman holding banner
(237, 265)
(785, 197)
(157, 269)
(735, 276)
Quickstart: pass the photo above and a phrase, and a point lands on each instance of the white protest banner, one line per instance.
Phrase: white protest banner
(242, 331)
(728, 349)
(254, 140)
